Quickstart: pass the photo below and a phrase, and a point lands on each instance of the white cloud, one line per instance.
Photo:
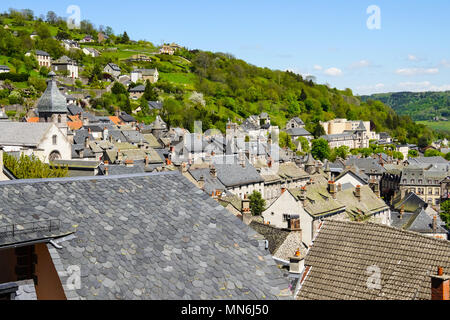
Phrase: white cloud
(317, 67)
(422, 86)
(334, 72)
(412, 57)
(371, 89)
(445, 63)
(360, 64)
(416, 71)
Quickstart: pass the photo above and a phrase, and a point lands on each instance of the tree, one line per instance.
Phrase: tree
(32, 168)
(423, 142)
(447, 156)
(432, 153)
(257, 203)
(52, 18)
(304, 144)
(318, 130)
(342, 152)
(125, 38)
(413, 153)
(445, 212)
(149, 93)
(285, 141)
(320, 149)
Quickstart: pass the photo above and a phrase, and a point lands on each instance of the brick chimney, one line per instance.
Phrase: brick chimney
(358, 192)
(440, 285)
(146, 161)
(402, 211)
(129, 163)
(339, 187)
(283, 189)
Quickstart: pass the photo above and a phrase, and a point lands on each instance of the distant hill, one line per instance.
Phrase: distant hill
(420, 106)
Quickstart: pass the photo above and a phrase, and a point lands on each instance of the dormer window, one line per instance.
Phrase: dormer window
(412, 181)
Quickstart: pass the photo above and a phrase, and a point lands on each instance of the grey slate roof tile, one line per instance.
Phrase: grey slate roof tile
(163, 249)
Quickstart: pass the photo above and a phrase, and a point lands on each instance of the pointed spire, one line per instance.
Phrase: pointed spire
(52, 101)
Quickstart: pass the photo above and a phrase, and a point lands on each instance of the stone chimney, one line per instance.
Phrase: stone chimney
(212, 171)
(332, 188)
(201, 183)
(434, 224)
(1, 161)
(303, 195)
(106, 171)
(245, 205)
(146, 161)
(440, 285)
(86, 142)
(81, 153)
(339, 187)
(358, 192)
(376, 188)
(105, 133)
(295, 263)
(119, 156)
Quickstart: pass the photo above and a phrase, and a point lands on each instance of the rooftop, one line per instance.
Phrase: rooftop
(356, 250)
(145, 236)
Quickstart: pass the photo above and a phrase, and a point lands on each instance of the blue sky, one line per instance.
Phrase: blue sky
(328, 39)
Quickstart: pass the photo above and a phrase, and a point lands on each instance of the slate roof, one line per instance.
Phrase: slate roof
(52, 100)
(298, 132)
(368, 165)
(212, 184)
(155, 105)
(42, 53)
(146, 236)
(427, 160)
(289, 170)
(125, 117)
(232, 174)
(74, 109)
(419, 221)
(139, 88)
(343, 251)
(298, 121)
(22, 133)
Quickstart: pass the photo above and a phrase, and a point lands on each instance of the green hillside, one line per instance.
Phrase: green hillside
(419, 105)
(194, 84)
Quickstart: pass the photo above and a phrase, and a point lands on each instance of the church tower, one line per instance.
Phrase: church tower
(52, 106)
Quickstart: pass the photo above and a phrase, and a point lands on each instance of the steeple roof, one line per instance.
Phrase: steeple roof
(361, 126)
(310, 161)
(52, 100)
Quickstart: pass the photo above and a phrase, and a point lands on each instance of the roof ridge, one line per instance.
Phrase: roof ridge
(87, 178)
(388, 227)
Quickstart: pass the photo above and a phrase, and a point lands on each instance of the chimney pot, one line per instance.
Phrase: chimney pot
(440, 285)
